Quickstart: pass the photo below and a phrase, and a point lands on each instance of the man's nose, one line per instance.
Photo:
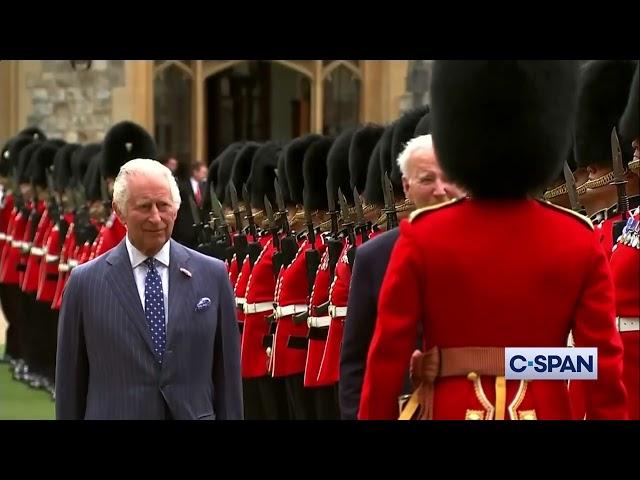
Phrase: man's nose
(154, 214)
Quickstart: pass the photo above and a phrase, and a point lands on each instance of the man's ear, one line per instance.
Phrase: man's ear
(405, 186)
(119, 213)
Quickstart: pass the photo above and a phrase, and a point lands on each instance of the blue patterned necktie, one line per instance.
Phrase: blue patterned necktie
(154, 308)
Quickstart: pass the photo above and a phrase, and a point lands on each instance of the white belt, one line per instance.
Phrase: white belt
(16, 243)
(72, 263)
(51, 258)
(257, 307)
(25, 247)
(336, 312)
(38, 252)
(240, 302)
(628, 324)
(3, 236)
(290, 310)
(318, 322)
(9, 238)
(63, 267)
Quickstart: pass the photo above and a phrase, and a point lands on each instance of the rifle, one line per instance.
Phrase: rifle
(288, 244)
(240, 243)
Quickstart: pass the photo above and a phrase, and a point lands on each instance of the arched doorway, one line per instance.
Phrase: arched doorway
(173, 88)
(256, 100)
(342, 87)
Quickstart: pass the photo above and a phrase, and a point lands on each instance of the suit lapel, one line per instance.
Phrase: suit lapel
(120, 276)
(180, 287)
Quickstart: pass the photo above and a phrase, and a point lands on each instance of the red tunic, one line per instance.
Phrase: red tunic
(480, 273)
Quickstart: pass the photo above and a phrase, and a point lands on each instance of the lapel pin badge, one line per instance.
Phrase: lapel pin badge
(186, 272)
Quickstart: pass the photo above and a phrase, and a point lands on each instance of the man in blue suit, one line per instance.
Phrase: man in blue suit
(148, 330)
(424, 184)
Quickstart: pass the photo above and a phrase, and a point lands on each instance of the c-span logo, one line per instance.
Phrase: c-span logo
(551, 363)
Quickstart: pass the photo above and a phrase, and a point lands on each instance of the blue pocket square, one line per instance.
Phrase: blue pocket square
(203, 304)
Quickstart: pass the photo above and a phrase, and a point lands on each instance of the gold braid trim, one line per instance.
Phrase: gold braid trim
(599, 182)
(555, 192)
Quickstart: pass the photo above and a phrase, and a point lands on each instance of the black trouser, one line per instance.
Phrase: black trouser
(35, 316)
(9, 301)
(265, 398)
(299, 399)
(326, 402)
(50, 343)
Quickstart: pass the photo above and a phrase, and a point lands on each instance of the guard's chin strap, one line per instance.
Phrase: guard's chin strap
(599, 182)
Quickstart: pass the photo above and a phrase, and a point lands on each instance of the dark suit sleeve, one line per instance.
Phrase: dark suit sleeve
(72, 365)
(358, 331)
(227, 378)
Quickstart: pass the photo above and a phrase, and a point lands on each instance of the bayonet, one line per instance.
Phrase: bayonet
(620, 182)
(282, 209)
(312, 256)
(618, 171)
(218, 211)
(311, 233)
(240, 240)
(233, 194)
(273, 228)
(347, 222)
(333, 213)
(572, 192)
(361, 223)
(252, 224)
(389, 201)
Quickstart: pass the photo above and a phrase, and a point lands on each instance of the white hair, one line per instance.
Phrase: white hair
(417, 143)
(147, 167)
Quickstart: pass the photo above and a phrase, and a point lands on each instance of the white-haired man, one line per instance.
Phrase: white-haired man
(148, 330)
(424, 184)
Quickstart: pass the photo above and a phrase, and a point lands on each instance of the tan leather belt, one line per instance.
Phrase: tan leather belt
(448, 362)
(628, 324)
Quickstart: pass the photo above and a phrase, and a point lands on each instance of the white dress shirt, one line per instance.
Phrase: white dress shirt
(140, 270)
(195, 185)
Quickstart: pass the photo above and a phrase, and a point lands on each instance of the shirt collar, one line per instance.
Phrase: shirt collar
(137, 257)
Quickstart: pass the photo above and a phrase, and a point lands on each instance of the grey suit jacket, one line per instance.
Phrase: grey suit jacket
(105, 366)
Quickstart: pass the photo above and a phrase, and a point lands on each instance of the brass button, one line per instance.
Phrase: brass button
(473, 416)
(268, 351)
(472, 376)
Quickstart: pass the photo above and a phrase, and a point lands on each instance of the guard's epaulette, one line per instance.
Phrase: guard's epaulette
(419, 212)
(584, 220)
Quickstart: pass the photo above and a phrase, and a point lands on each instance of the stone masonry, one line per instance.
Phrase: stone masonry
(74, 105)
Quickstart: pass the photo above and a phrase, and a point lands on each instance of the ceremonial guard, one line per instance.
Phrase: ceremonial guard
(472, 310)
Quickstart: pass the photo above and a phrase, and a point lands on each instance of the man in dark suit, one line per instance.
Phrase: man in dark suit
(424, 184)
(148, 330)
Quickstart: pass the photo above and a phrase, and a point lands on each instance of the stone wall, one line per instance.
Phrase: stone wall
(74, 105)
